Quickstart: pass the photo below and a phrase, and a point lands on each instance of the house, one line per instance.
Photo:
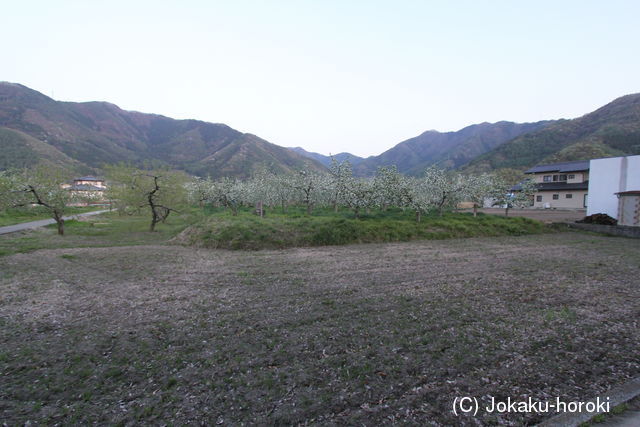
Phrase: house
(561, 185)
(613, 186)
(88, 190)
(90, 180)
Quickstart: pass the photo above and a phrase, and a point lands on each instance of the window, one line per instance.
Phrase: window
(569, 196)
(556, 196)
(571, 176)
(538, 198)
(546, 178)
(557, 178)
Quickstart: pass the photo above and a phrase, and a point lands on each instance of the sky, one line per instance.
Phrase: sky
(328, 75)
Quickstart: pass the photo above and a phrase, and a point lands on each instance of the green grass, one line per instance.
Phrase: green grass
(109, 229)
(219, 229)
(601, 418)
(17, 216)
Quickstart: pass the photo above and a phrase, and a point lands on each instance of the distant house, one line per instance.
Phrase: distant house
(97, 183)
(88, 189)
(561, 185)
(613, 188)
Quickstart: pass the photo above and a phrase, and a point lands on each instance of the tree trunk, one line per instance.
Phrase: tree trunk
(60, 223)
(165, 216)
(154, 220)
(356, 211)
(418, 216)
(308, 208)
(506, 211)
(475, 210)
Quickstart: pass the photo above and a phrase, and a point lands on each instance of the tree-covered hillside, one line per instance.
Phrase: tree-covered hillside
(98, 133)
(612, 130)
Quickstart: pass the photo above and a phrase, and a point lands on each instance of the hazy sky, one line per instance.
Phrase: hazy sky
(329, 76)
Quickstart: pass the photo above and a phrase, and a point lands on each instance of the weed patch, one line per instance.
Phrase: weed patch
(246, 231)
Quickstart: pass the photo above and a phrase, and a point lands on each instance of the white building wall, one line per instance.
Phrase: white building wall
(610, 176)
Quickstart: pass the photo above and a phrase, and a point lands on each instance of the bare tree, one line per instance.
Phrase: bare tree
(161, 191)
(39, 186)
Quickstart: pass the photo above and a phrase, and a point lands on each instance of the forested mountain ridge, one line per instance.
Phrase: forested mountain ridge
(326, 160)
(449, 150)
(92, 134)
(84, 136)
(612, 130)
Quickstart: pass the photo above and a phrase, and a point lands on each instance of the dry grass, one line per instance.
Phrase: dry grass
(362, 334)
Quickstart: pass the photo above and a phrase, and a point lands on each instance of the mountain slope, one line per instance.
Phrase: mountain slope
(20, 150)
(449, 149)
(609, 131)
(97, 133)
(326, 160)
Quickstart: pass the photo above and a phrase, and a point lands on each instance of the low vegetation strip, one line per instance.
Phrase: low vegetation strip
(247, 231)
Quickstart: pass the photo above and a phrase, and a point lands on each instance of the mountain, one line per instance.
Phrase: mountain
(90, 134)
(448, 149)
(21, 150)
(326, 160)
(612, 130)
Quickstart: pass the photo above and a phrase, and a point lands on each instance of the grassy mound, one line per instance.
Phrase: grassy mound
(247, 231)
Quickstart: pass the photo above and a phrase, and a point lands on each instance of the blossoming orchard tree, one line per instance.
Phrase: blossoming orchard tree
(445, 189)
(477, 188)
(438, 190)
(359, 194)
(310, 188)
(509, 196)
(199, 191)
(41, 186)
(341, 177)
(162, 191)
(418, 197)
(389, 187)
(283, 191)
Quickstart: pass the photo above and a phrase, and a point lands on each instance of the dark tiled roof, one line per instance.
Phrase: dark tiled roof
(581, 165)
(88, 178)
(85, 187)
(630, 193)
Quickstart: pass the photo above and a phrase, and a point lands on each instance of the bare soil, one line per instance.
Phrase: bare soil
(362, 334)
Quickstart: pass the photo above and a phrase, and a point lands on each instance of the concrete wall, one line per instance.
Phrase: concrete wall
(613, 230)
(575, 202)
(629, 210)
(610, 176)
